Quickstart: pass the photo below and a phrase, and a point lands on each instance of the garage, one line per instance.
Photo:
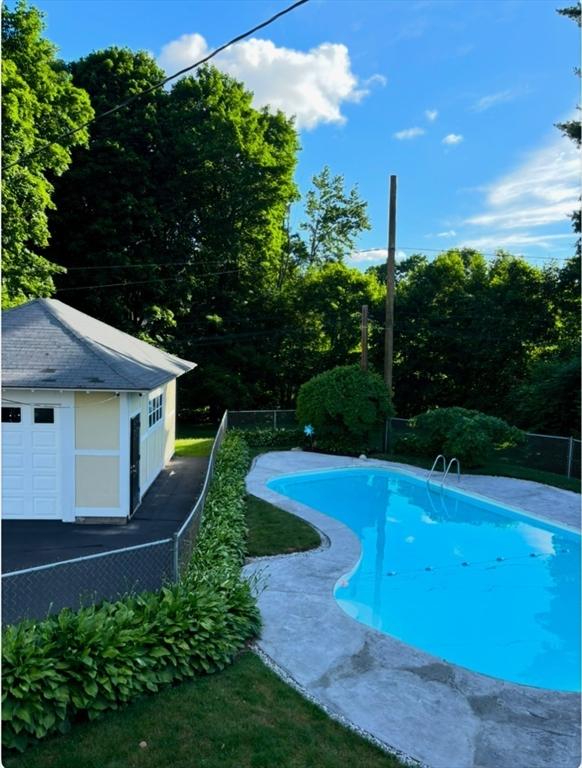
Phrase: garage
(88, 415)
(30, 462)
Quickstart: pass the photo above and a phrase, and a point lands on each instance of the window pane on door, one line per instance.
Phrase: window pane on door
(44, 415)
(11, 415)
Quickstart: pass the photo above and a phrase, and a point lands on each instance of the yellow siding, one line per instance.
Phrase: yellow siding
(96, 421)
(97, 481)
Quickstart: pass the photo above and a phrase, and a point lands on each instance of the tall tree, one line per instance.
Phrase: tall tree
(113, 188)
(39, 102)
(334, 219)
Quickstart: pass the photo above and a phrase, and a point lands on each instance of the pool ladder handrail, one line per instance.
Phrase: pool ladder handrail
(435, 462)
(451, 462)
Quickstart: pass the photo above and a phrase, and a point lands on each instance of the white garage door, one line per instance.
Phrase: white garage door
(30, 462)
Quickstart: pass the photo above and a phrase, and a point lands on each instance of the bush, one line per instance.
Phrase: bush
(79, 664)
(471, 436)
(266, 437)
(343, 405)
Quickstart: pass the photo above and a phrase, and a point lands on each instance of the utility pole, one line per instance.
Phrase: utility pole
(389, 322)
(364, 358)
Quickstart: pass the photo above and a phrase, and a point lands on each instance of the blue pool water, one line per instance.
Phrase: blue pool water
(471, 582)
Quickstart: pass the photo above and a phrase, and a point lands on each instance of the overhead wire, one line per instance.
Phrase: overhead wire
(155, 86)
(492, 254)
(143, 282)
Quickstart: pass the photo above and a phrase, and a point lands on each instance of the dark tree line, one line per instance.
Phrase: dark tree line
(170, 220)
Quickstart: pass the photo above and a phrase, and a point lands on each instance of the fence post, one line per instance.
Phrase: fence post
(386, 423)
(275, 419)
(570, 456)
(175, 541)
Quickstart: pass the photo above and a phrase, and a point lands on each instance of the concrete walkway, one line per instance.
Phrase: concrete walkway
(421, 707)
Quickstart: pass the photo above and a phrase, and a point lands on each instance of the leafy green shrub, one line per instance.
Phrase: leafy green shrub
(469, 435)
(267, 437)
(344, 405)
(79, 664)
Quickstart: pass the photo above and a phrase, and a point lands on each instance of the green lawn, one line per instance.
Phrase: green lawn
(194, 446)
(244, 717)
(194, 440)
(273, 531)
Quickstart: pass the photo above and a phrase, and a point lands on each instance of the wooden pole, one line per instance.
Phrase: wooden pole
(389, 324)
(364, 359)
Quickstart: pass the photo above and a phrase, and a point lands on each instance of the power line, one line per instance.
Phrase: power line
(142, 264)
(154, 87)
(493, 254)
(142, 282)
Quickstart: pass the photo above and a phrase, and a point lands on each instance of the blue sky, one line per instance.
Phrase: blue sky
(458, 98)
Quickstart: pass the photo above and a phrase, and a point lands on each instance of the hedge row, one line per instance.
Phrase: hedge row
(80, 664)
(267, 437)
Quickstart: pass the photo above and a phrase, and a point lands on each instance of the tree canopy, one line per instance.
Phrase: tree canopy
(172, 220)
(39, 102)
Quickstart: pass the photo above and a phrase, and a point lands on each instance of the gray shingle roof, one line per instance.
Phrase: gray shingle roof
(49, 345)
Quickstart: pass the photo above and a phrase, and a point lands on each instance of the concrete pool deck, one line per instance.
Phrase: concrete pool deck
(419, 706)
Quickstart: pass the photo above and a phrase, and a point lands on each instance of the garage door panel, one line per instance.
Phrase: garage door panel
(47, 461)
(12, 438)
(45, 507)
(13, 506)
(44, 483)
(14, 483)
(13, 460)
(44, 439)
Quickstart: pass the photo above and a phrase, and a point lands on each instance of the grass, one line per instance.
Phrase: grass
(244, 717)
(497, 467)
(273, 531)
(194, 440)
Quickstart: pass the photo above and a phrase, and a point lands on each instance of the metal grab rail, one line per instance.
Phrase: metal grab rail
(435, 462)
(451, 462)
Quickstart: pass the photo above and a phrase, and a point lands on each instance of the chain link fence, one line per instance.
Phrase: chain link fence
(271, 419)
(185, 538)
(548, 453)
(34, 593)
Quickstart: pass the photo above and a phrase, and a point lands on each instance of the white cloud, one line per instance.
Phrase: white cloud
(503, 240)
(448, 233)
(486, 102)
(375, 80)
(542, 190)
(310, 85)
(452, 139)
(409, 133)
(371, 257)
(431, 114)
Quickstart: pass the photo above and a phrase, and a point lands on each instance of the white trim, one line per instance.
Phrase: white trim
(149, 481)
(95, 452)
(100, 512)
(68, 464)
(124, 449)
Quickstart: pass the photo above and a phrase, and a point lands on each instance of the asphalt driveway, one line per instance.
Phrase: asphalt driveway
(27, 543)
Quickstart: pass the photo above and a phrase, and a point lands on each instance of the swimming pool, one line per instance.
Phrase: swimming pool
(472, 582)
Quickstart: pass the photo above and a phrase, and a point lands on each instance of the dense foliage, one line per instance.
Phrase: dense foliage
(174, 224)
(39, 102)
(284, 437)
(83, 663)
(344, 405)
(469, 435)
